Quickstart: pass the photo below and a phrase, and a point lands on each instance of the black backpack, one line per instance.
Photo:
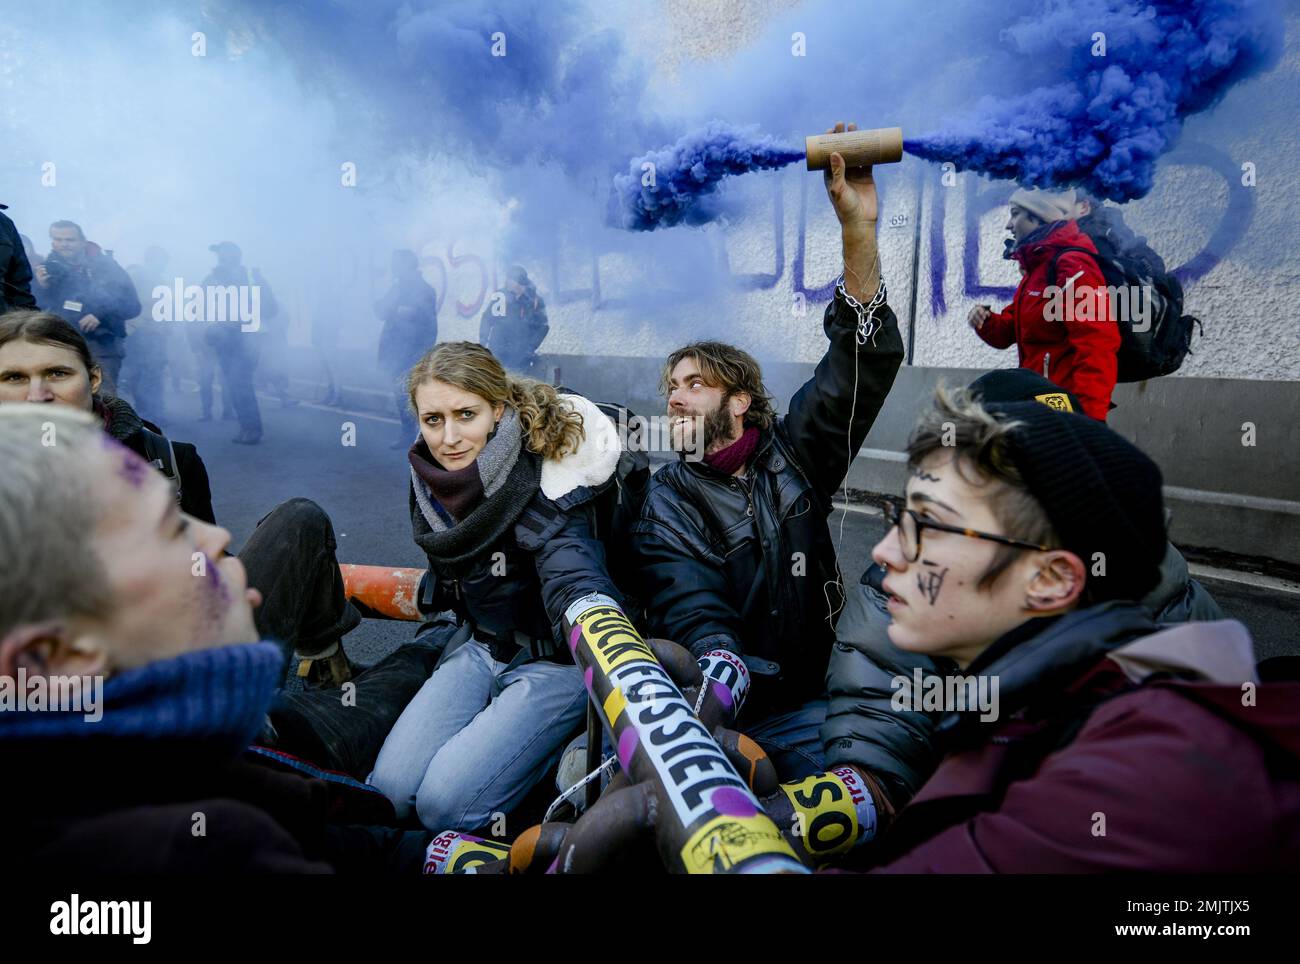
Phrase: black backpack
(1127, 261)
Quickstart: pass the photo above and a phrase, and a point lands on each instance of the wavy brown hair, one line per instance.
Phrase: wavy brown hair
(731, 369)
(551, 428)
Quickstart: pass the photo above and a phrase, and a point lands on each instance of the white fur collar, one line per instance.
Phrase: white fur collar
(596, 458)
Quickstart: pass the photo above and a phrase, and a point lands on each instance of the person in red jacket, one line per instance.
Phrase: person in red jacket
(1062, 325)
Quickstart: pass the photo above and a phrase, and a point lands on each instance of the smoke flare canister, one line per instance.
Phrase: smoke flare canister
(880, 145)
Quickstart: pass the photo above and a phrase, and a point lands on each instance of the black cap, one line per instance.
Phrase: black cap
(225, 247)
(1100, 491)
(1023, 385)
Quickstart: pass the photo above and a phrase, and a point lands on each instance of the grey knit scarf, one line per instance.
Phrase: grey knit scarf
(493, 463)
(510, 478)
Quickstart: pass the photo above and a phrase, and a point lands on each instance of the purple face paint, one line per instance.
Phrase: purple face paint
(216, 584)
(214, 601)
(133, 469)
(731, 802)
(722, 693)
(628, 741)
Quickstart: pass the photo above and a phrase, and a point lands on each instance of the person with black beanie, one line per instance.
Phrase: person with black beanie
(863, 728)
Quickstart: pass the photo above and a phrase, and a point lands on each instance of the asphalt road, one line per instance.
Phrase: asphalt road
(363, 486)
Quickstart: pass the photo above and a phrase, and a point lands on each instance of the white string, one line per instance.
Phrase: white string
(699, 700)
(607, 764)
(867, 328)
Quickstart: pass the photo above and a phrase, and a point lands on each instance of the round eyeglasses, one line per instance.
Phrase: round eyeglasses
(910, 527)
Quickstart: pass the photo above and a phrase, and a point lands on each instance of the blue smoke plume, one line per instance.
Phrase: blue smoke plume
(679, 183)
(1104, 127)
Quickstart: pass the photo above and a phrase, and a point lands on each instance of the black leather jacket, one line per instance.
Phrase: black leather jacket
(747, 563)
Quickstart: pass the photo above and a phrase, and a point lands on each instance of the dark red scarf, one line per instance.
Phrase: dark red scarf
(457, 490)
(735, 455)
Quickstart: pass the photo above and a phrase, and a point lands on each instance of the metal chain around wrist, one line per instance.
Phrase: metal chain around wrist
(867, 324)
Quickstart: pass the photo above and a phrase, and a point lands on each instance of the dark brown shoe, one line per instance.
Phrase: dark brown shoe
(328, 669)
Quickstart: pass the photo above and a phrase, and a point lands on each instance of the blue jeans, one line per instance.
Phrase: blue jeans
(461, 756)
(793, 740)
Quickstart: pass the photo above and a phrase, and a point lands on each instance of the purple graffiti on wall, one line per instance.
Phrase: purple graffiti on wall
(824, 292)
(938, 252)
(981, 197)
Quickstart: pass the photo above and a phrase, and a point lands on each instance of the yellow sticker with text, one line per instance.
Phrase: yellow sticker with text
(724, 842)
(613, 640)
(826, 818)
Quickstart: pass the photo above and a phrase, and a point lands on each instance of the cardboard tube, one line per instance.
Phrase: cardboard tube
(881, 145)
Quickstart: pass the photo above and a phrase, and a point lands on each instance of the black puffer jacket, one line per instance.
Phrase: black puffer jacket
(100, 286)
(15, 272)
(748, 564)
(536, 560)
(862, 727)
(123, 424)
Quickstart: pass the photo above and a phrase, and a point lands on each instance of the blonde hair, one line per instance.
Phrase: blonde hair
(48, 514)
(551, 428)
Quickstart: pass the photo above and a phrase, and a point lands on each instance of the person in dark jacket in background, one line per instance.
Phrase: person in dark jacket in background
(1071, 339)
(89, 289)
(291, 554)
(237, 344)
(864, 728)
(410, 314)
(734, 551)
(15, 270)
(514, 323)
(504, 479)
(146, 356)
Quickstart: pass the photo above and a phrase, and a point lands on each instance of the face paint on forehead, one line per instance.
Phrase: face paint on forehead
(130, 467)
(924, 476)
